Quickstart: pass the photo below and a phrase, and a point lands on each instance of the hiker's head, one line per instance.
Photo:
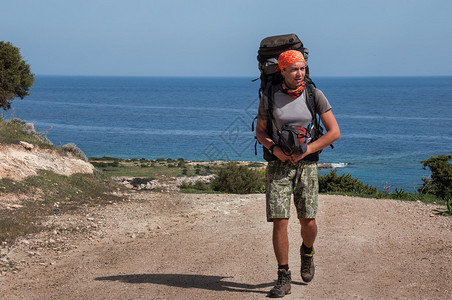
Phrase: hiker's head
(293, 68)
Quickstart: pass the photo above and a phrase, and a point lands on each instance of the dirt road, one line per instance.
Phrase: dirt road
(176, 246)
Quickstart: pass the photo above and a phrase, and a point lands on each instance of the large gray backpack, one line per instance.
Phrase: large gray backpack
(269, 50)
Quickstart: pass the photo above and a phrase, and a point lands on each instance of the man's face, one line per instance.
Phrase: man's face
(294, 74)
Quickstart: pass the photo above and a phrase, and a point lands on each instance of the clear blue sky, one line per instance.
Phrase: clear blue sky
(220, 38)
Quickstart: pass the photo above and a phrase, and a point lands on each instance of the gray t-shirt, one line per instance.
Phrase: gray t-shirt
(287, 110)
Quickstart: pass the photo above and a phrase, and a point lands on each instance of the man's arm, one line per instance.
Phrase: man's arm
(332, 134)
(267, 142)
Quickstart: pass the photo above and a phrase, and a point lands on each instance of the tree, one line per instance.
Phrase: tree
(15, 75)
(440, 183)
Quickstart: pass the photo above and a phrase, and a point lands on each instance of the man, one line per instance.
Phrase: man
(293, 173)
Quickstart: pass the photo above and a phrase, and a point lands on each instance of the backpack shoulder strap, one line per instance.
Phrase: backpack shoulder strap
(266, 95)
(268, 98)
(310, 87)
(310, 98)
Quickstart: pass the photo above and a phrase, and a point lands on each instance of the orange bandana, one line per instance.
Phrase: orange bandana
(294, 93)
(289, 57)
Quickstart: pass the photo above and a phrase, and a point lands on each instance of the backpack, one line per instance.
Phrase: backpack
(268, 53)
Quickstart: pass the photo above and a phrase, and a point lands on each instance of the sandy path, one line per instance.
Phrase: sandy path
(161, 246)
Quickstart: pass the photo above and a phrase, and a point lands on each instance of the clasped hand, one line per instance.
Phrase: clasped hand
(293, 158)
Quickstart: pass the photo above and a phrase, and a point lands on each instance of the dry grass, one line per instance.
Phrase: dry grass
(47, 194)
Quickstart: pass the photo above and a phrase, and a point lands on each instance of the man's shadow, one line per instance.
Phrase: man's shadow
(207, 282)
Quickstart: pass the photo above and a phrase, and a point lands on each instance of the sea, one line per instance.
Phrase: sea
(388, 124)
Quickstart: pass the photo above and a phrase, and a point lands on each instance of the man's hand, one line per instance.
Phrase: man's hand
(280, 154)
(294, 158)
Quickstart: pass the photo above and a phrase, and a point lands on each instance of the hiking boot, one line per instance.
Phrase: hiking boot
(282, 287)
(307, 265)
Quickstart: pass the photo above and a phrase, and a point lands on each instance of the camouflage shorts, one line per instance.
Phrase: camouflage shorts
(283, 179)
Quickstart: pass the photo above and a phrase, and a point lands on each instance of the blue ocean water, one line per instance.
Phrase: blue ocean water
(388, 125)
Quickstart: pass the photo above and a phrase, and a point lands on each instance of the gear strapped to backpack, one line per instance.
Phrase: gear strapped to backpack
(294, 139)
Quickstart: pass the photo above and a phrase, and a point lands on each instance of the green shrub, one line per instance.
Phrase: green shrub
(99, 164)
(140, 180)
(399, 194)
(345, 183)
(205, 171)
(449, 207)
(236, 179)
(440, 183)
(197, 187)
(113, 164)
(72, 148)
(448, 211)
(180, 163)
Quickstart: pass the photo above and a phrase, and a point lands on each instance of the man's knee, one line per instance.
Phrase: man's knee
(280, 224)
(308, 223)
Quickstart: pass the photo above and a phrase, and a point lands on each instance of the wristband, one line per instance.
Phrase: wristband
(271, 148)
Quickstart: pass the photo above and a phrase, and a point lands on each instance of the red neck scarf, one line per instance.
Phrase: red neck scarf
(294, 93)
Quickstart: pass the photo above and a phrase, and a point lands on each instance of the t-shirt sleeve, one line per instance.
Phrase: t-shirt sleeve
(322, 104)
(262, 113)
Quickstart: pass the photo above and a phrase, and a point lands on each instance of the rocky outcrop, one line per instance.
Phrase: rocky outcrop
(19, 161)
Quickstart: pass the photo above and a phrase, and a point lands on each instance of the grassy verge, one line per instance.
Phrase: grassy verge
(49, 193)
(15, 131)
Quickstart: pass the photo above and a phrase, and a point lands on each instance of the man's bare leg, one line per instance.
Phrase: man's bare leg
(308, 231)
(281, 241)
